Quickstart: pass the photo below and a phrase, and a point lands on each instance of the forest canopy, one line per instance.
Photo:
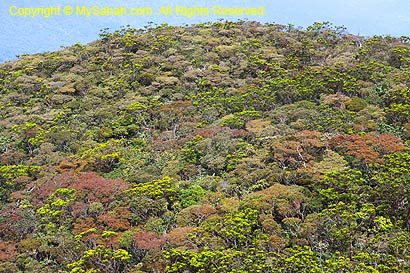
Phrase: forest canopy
(216, 147)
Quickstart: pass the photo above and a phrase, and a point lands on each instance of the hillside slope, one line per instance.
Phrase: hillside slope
(220, 147)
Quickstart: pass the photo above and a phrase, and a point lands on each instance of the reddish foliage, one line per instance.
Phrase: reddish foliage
(298, 149)
(189, 171)
(389, 143)
(117, 220)
(45, 188)
(195, 215)
(75, 165)
(177, 107)
(18, 195)
(407, 130)
(8, 229)
(7, 251)
(11, 215)
(148, 240)
(93, 188)
(178, 236)
(165, 145)
(171, 114)
(202, 212)
(90, 187)
(12, 158)
(369, 147)
(290, 152)
(83, 224)
(112, 241)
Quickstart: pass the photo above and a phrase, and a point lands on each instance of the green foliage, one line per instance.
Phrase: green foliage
(348, 186)
(9, 178)
(14, 171)
(388, 128)
(238, 119)
(190, 152)
(156, 189)
(100, 259)
(220, 260)
(392, 180)
(191, 195)
(104, 156)
(56, 207)
(216, 147)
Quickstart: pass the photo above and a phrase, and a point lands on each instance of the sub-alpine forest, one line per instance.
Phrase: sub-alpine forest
(225, 147)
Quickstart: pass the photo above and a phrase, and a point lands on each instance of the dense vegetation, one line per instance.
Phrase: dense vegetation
(220, 147)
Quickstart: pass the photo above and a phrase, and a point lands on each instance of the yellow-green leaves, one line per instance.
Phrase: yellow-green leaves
(56, 205)
(100, 259)
(155, 189)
